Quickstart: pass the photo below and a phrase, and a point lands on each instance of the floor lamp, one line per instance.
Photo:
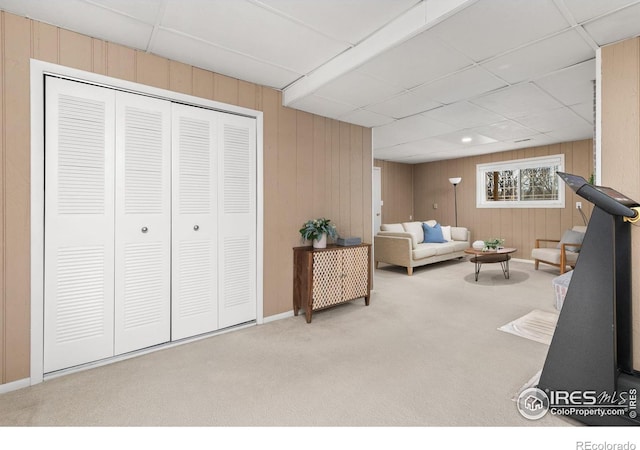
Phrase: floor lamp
(455, 182)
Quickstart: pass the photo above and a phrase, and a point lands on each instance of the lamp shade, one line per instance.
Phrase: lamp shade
(455, 180)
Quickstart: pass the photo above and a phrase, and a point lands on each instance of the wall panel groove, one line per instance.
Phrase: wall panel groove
(397, 187)
(16, 53)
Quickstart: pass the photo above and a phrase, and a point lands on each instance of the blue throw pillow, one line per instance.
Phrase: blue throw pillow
(433, 234)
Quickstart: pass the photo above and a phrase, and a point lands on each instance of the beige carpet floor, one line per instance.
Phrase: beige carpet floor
(426, 352)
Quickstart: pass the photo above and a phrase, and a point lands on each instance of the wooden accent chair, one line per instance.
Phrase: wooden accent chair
(562, 255)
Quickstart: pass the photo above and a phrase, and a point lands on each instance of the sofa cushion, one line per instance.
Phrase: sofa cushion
(414, 228)
(431, 223)
(459, 233)
(425, 251)
(446, 233)
(552, 255)
(397, 227)
(459, 246)
(433, 234)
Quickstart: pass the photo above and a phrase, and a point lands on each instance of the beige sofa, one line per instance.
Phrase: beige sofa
(401, 244)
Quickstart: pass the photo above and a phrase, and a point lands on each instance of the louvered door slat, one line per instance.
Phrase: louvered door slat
(194, 220)
(79, 160)
(237, 221)
(143, 222)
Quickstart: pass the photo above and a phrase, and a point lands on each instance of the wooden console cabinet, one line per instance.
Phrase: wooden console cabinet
(327, 277)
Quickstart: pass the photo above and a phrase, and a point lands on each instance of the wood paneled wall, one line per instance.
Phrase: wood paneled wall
(313, 166)
(518, 226)
(620, 146)
(397, 191)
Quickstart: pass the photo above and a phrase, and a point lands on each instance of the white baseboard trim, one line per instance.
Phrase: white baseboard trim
(275, 317)
(15, 385)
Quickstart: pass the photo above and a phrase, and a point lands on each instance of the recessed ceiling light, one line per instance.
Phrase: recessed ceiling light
(466, 139)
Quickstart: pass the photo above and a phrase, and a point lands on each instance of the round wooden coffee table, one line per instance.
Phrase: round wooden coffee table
(501, 256)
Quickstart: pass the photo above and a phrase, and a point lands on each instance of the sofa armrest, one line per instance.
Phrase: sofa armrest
(404, 234)
(394, 250)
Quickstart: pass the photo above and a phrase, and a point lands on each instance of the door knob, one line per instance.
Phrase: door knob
(144, 229)
(196, 227)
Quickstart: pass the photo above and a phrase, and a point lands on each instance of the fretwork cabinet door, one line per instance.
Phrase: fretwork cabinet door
(355, 273)
(340, 275)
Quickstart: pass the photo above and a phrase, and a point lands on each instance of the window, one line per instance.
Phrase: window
(522, 183)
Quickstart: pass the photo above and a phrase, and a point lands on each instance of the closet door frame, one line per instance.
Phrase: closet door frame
(40, 69)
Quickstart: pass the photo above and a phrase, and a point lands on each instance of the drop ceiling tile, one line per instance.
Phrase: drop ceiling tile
(144, 10)
(322, 106)
(506, 130)
(436, 144)
(406, 130)
(335, 18)
(461, 85)
(205, 56)
(548, 55)
(517, 101)
(358, 89)
(615, 27)
(463, 115)
(404, 105)
(583, 10)
(548, 121)
(21, 7)
(490, 27)
(397, 151)
(464, 152)
(417, 159)
(416, 61)
(250, 29)
(85, 18)
(573, 85)
(465, 138)
(571, 134)
(494, 147)
(585, 110)
(366, 118)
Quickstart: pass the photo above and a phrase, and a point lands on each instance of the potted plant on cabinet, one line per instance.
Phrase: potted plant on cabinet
(317, 230)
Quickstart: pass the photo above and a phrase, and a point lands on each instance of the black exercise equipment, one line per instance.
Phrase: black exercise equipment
(591, 348)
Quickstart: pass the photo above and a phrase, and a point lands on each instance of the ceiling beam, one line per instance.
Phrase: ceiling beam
(421, 17)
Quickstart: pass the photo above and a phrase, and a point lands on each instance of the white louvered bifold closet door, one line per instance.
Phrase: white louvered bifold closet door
(79, 163)
(194, 305)
(143, 222)
(237, 220)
